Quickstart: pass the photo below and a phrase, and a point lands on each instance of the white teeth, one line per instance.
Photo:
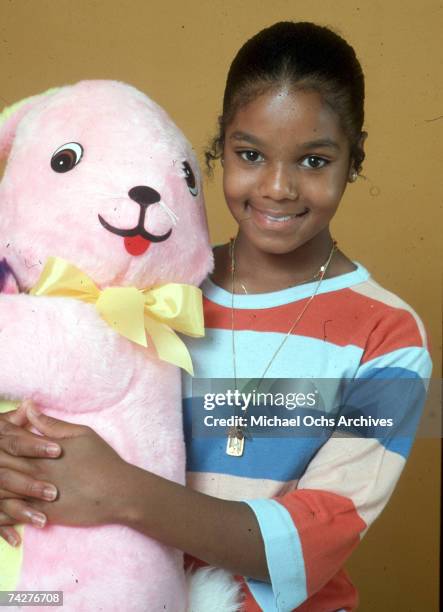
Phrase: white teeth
(281, 219)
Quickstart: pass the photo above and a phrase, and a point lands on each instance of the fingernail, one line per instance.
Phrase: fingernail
(50, 493)
(37, 519)
(12, 539)
(53, 450)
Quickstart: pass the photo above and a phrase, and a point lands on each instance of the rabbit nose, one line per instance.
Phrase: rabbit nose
(144, 196)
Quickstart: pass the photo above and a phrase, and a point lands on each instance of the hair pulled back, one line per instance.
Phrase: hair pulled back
(300, 56)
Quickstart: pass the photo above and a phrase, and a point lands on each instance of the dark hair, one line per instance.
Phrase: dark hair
(300, 55)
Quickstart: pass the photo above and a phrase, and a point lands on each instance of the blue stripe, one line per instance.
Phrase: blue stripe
(394, 395)
(284, 557)
(282, 460)
(390, 393)
(412, 359)
(302, 356)
(277, 298)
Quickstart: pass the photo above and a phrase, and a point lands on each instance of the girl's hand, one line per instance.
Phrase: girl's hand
(17, 479)
(89, 475)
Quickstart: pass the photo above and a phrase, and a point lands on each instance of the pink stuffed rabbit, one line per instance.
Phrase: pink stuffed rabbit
(98, 176)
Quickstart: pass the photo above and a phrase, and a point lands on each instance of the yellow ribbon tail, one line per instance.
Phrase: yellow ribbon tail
(168, 345)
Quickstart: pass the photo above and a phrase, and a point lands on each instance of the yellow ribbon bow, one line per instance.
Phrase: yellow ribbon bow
(133, 312)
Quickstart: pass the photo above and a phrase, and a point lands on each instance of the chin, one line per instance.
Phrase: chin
(276, 245)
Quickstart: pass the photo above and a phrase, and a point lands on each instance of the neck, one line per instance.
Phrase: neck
(262, 272)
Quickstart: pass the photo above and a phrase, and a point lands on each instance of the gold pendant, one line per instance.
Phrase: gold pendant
(236, 443)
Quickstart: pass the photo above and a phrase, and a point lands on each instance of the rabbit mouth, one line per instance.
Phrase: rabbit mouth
(136, 240)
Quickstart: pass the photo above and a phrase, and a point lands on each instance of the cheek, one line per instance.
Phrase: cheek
(237, 185)
(158, 220)
(327, 191)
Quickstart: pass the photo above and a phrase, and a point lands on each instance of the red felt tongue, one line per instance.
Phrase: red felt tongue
(136, 245)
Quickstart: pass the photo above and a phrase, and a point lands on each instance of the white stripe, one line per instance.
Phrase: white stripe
(237, 488)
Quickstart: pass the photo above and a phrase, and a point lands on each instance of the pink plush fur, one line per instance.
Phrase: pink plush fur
(60, 353)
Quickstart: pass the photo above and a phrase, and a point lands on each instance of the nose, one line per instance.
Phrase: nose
(144, 195)
(279, 183)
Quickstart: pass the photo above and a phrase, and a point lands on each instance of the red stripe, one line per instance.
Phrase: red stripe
(339, 593)
(329, 528)
(249, 604)
(397, 329)
(341, 317)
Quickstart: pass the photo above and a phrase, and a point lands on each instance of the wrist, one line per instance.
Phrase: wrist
(130, 507)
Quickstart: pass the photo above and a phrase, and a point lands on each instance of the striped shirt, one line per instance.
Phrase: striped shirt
(314, 496)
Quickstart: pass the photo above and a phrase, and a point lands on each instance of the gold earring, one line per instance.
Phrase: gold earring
(353, 176)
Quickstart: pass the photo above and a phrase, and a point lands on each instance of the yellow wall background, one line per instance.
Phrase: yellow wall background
(391, 221)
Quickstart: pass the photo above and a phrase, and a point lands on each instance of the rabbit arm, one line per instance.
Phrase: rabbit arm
(58, 351)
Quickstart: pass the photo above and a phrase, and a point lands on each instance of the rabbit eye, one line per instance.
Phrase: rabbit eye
(190, 179)
(66, 157)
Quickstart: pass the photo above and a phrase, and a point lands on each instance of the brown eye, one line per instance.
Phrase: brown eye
(190, 178)
(66, 157)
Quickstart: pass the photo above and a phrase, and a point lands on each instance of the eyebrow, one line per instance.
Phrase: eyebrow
(320, 143)
(246, 137)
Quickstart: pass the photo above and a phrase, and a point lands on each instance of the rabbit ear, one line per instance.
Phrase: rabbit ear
(11, 116)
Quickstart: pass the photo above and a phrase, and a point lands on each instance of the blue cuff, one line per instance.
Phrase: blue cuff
(284, 557)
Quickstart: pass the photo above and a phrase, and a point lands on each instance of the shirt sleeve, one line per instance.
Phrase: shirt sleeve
(310, 532)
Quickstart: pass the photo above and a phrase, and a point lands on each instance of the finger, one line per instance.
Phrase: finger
(19, 464)
(16, 417)
(9, 495)
(21, 443)
(5, 519)
(54, 428)
(22, 485)
(10, 535)
(20, 512)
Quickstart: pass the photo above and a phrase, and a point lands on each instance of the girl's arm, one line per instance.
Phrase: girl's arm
(97, 487)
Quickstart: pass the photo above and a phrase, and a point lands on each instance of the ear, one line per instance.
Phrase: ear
(357, 157)
(11, 116)
(362, 139)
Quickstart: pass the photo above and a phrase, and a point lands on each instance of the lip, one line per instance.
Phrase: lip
(136, 240)
(276, 220)
(138, 230)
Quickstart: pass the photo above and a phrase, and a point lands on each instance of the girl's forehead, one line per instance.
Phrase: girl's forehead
(298, 115)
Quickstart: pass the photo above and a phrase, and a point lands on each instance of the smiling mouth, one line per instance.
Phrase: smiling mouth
(136, 240)
(276, 217)
(281, 218)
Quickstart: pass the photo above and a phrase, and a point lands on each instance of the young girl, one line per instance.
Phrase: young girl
(283, 302)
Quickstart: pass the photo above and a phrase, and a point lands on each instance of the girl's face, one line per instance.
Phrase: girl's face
(286, 165)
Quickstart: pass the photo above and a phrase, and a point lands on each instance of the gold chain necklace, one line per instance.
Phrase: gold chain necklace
(236, 436)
